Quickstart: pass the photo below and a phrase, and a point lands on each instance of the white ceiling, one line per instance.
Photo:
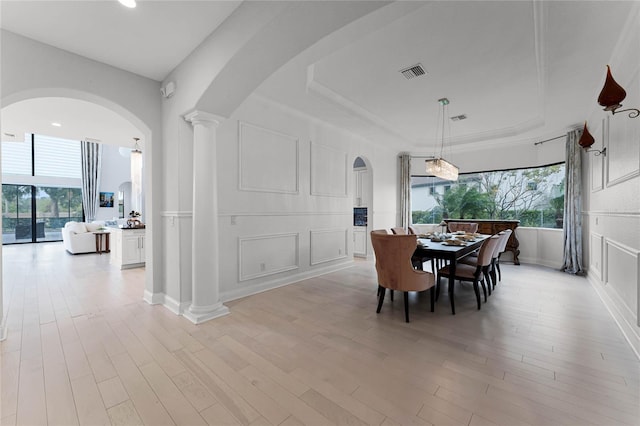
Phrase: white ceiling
(520, 70)
(149, 40)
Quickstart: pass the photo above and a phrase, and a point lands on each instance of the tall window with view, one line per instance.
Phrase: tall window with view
(534, 196)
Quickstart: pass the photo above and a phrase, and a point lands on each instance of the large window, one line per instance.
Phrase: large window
(41, 189)
(535, 196)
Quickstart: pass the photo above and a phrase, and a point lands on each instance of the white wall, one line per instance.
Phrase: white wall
(116, 170)
(611, 187)
(31, 69)
(539, 246)
(286, 196)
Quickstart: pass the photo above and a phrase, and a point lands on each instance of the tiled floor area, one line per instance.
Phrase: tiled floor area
(83, 348)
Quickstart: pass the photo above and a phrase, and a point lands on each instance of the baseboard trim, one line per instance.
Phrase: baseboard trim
(153, 298)
(291, 279)
(172, 304)
(540, 262)
(629, 329)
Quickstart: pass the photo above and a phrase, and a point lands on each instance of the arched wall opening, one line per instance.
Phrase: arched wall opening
(143, 131)
(362, 206)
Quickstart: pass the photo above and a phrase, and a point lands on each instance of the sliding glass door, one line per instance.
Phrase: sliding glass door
(37, 213)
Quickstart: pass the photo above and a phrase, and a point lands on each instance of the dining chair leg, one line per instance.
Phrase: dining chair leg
(437, 286)
(453, 305)
(487, 279)
(406, 306)
(392, 295)
(432, 290)
(498, 268)
(477, 291)
(493, 272)
(484, 289)
(380, 299)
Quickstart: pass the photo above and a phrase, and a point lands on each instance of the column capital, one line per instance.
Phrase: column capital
(203, 118)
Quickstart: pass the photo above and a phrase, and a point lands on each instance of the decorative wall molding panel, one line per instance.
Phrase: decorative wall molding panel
(265, 255)
(268, 161)
(328, 171)
(262, 214)
(264, 285)
(630, 329)
(596, 243)
(622, 275)
(623, 143)
(327, 245)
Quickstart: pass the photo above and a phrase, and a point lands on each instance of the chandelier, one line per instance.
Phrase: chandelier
(136, 176)
(438, 166)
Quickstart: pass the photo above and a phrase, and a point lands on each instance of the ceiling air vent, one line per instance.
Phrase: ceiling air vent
(459, 117)
(413, 71)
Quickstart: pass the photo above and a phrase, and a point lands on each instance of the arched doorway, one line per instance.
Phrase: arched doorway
(25, 112)
(362, 206)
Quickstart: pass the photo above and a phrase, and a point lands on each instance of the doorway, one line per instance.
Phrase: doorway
(362, 206)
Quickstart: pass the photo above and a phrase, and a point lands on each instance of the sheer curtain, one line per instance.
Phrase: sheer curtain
(405, 190)
(91, 157)
(573, 206)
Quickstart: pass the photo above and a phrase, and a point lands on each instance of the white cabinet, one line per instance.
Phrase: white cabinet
(360, 241)
(361, 189)
(128, 248)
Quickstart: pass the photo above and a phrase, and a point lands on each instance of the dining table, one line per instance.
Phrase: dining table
(427, 248)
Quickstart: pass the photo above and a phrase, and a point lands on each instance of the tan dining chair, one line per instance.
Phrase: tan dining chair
(395, 272)
(500, 247)
(477, 274)
(398, 231)
(470, 227)
(506, 234)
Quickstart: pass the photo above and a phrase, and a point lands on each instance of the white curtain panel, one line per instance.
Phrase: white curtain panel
(405, 190)
(573, 205)
(91, 157)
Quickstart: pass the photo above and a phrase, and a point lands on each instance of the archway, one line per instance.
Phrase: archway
(362, 206)
(135, 124)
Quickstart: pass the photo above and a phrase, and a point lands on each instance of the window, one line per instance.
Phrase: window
(535, 196)
(42, 192)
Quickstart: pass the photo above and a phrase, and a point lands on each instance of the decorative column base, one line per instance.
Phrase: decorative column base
(200, 314)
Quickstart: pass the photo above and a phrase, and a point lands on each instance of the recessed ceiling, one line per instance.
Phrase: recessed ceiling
(79, 120)
(519, 70)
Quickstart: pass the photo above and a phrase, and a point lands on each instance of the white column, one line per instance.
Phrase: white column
(3, 325)
(205, 295)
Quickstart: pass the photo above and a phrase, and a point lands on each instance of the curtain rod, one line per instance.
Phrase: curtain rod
(549, 140)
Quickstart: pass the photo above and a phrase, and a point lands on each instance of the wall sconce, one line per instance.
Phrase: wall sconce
(586, 140)
(611, 96)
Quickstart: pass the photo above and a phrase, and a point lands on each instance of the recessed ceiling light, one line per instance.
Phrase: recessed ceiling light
(128, 3)
(56, 124)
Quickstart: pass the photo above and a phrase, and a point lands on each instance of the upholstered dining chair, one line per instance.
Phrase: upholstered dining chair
(472, 273)
(506, 234)
(395, 272)
(470, 227)
(398, 230)
(500, 247)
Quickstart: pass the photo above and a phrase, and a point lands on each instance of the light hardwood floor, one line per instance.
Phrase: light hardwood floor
(83, 348)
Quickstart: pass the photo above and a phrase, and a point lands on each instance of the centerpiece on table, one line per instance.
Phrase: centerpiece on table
(133, 221)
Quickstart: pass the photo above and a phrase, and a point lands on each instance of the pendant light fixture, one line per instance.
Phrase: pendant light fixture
(612, 95)
(438, 166)
(136, 176)
(586, 140)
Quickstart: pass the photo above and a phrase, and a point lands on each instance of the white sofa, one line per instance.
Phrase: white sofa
(78, 237)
